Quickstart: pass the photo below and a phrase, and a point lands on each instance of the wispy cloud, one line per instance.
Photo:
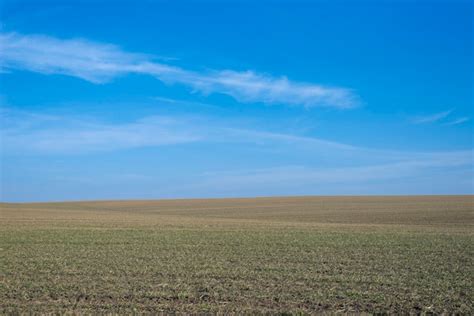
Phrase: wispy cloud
(424, 173)
(327, 166)
(100, 63)
(432, 118)
(68, 135)
(90, 61)
(458, 121)
(262, 136)
(51, 133)
(350, 174)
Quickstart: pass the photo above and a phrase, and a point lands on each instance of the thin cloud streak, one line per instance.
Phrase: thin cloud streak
(353, 174)
(49, 133)
(100, 63)
(366, 178)
(262, 136)
(458, 121)
(431, 118)
(97, 63)
(73, 136)
(332, 163)
(41, 133)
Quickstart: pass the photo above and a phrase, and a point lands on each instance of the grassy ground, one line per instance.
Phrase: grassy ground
(277, 255)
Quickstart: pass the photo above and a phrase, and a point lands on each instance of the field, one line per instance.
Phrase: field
(265, 255)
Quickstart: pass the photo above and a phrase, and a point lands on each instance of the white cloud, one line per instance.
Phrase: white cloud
(26, 132)
(253, 87)
(351, 174)
(326, 166)
(100, 63)
(49, 133)
(458, 121)
(432, 118)
(90, 61)
(264, 136)
(426, 173)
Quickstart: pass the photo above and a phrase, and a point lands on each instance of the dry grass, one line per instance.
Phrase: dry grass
(291, 254)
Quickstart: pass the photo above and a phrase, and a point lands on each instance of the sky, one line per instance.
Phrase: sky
(199, 99)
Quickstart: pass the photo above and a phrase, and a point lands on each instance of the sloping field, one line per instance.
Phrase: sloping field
(291, 254)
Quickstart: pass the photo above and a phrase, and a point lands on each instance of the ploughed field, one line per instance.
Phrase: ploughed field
(267, 255)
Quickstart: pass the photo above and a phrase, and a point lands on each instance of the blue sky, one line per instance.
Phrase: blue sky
(168, 99)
